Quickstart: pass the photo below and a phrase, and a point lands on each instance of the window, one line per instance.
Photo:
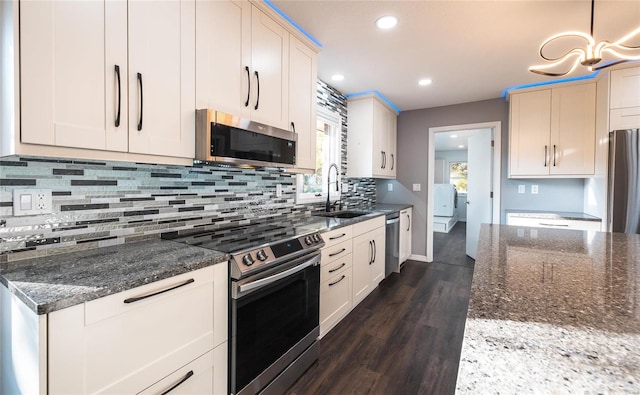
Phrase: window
(313, 187)
(458, 175)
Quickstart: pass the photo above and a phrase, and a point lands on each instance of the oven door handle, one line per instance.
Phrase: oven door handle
(315, 260)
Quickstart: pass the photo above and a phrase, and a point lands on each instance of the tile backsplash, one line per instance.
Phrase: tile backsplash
(102, 203)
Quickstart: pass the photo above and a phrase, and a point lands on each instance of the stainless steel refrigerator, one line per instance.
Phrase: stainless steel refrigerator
(624, 181)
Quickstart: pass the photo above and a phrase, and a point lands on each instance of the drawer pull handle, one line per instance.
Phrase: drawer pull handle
(337, 237)
(137, 298)
(338, 268)
(542, 223)
(339, 252)
(182, 380)
(334, 283)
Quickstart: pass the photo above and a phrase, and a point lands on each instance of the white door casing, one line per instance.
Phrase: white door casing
(497, 128)
(479, 203)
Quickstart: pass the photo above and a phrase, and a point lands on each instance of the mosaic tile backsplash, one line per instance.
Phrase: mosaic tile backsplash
(102, 203)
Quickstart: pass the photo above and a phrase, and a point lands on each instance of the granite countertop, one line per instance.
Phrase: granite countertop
(552, 215)
(553, 311)
(54, 282)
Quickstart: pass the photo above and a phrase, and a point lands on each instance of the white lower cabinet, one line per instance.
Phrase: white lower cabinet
(405, 234)
(553, 223)
(352, 266)
(144, 339)
(368, 257)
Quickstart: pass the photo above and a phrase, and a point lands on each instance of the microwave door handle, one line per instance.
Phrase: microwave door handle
(263, 282)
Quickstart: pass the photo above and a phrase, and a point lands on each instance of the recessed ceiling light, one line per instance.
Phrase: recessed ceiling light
(386, 22)
(453, 136)
(461, 146)
(337, 77)
(425, 82)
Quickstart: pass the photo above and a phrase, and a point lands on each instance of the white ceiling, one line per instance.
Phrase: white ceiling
(472, 50)
(450, 141)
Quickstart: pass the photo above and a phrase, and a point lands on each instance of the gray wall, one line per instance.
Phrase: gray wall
(413, 138)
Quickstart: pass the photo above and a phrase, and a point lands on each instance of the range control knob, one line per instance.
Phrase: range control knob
(316, 238)
(308, 241)
(261, 255)
(248, 260)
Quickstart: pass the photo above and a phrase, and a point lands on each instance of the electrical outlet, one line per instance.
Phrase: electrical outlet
(32, 202)
(390, 187)
(520, 188)
(534, 189)
(345, 187)
(279, 190)
(355, 187)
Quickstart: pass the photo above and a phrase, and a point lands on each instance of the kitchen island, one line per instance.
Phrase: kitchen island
(553, 311)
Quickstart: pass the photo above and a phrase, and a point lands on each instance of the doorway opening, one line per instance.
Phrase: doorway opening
(467, 174)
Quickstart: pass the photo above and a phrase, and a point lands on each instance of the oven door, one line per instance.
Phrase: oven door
(274, 319)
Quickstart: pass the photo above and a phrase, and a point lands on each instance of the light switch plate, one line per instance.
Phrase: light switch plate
(520, 188)
(345, 187)
(32, 202)
(390, 187)
(278, 190)
(416, 188)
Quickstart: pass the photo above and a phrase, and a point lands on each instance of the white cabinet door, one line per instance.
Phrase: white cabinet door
(303, 77)
(69, 86)
(335, 294)
(162, 77)
(372, 139)
(362, 259)
(573, 132)
(530, 119)
(625, 88)
(377, 265)
(223, 37)
(405, 234)
(270, 71)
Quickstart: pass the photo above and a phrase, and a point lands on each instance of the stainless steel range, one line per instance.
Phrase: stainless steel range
(275, 297)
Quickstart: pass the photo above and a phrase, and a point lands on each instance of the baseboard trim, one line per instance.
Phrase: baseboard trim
(419, 258)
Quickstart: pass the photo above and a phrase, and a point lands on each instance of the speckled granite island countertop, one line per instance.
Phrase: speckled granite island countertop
(553, 311)
(54, 282)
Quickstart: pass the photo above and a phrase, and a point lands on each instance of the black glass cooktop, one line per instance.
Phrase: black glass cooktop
(236, 238)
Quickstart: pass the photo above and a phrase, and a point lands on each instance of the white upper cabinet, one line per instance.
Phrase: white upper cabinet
(303, 76)
(552, 132)
(249, 65)
(78, 91)
(73, 68)
(162, 78)
(269, 71)
(222, 53)
(625, 99)
(371, 142)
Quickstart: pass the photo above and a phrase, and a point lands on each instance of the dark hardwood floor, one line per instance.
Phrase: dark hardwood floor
(406, 336)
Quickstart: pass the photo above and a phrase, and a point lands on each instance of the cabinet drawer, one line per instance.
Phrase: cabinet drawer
(624, 118)
(336, 236)
(337, 251)
(335, 267)
(335, 300)
(367, 226)
(109, 345)
(205, 375)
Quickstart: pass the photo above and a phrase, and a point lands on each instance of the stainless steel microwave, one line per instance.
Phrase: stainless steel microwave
(226, 138)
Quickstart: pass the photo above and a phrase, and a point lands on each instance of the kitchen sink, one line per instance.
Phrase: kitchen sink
(340, 214)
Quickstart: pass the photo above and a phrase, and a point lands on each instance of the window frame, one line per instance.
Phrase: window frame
(332, 118)
(452, 179)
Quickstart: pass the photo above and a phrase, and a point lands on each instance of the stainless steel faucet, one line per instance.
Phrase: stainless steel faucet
(327, 207)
